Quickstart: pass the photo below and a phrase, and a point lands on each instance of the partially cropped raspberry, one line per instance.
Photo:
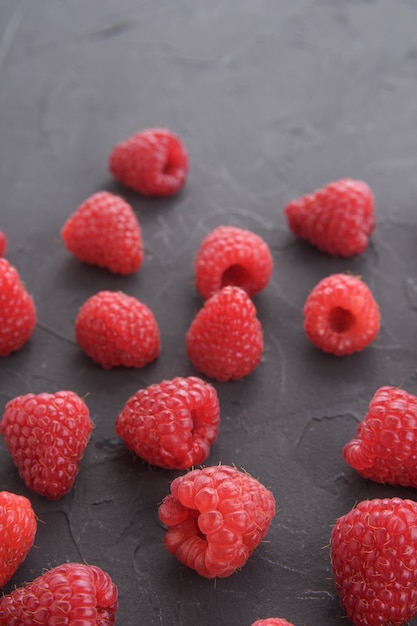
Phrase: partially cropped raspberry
(225, 339)
(104, 231)
(232, 256)
(374, 556)
(384, 448)
(115, 329)
(46, 434)
(341, 315)
(171, 424)
(153, 162)
(70, 594)
(272, 621)
(3, 243)
(17, 310)
(18, 530)
(216, 517)
(337, 219)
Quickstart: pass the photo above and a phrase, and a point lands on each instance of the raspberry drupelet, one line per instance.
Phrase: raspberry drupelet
(153, 162)
(232, 256)
(216, 517)
(338, 219)
(171, 424)
(341, 315)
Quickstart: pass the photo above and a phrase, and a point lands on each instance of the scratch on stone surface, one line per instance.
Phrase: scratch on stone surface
(323, 418)
(55, 333)
(11, 31)
(312, 594)
(74, 540)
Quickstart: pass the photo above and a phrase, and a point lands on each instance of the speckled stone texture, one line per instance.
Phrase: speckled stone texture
(272, 99)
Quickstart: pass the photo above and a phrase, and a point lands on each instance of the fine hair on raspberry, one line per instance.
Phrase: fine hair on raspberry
(341, 315)
(232, 256)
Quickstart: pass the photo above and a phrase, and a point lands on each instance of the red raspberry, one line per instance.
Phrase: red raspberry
(272, 621)
(374, 557)
(17, 310)
(18, 530)
(153, 162)
(116, 329)
(172, 424)
(70, 594)
(104, 231)
(216, 517)
(46, 434)
(225, 339)
(3, 243)
(337, 219)
(232, 256)
(341, 315)
(384, 448)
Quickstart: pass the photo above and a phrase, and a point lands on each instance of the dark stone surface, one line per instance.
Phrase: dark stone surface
(272, 99)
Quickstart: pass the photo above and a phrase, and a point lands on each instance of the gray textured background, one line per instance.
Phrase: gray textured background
(272, 98)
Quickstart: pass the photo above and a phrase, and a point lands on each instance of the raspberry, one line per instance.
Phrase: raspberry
(374, 557)
(225, 339)
(232, 256)
(116, 329)
(171, 424)
(104, 231)
(17, 310)
(70, 594)
(216, 517)
(337, 219)
(18, 530)
(272, 621)
(385, 445)
(3, 243)
(46, 434)
(341, 315)
(153, 162)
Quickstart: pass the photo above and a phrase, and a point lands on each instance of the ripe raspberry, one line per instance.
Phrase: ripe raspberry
(18, 530)
(3, 243)
(337, 219)
(104, 231)
(232, 256)
(17, 310)
(153, 162)
(172, 424)
(374, 557)
(216, 517)
(385, 445)
(272, 621)
(225, 339)
(70, 594)
(46, 434)
(341, 315)
(116, 329)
